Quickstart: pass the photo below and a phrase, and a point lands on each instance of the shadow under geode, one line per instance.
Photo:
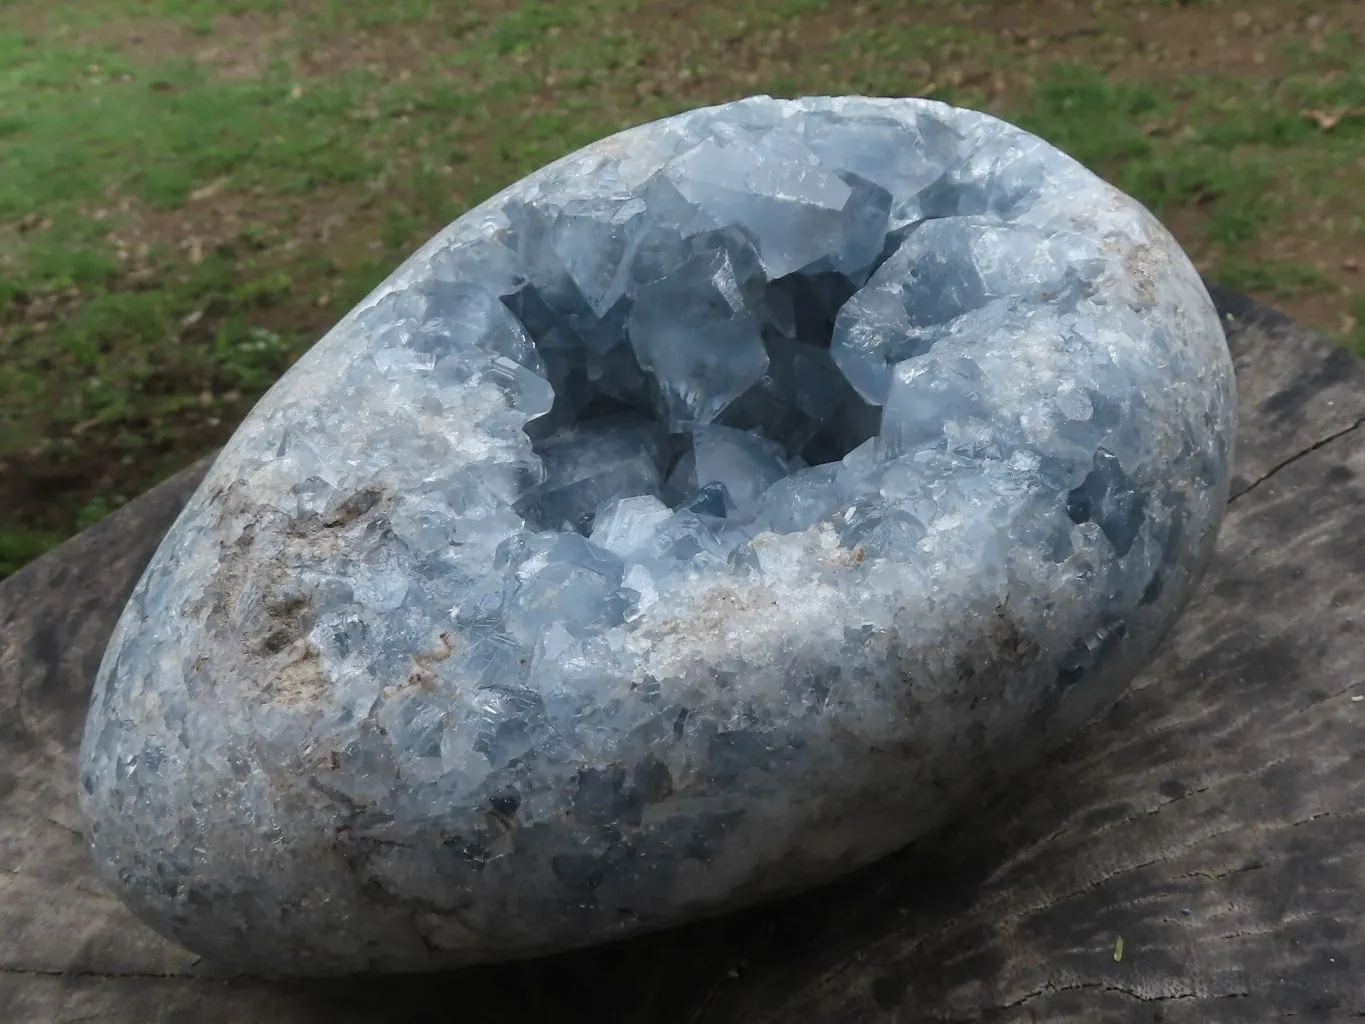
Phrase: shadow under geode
(711, 970)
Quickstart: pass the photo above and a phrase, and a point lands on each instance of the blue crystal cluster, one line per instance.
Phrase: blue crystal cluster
(708, 513)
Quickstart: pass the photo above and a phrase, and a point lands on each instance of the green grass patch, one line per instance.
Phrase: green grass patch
(1355, 340)
(18, 547)
(1273, 278)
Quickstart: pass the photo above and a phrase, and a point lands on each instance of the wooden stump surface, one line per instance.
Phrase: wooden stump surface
(1196, 856)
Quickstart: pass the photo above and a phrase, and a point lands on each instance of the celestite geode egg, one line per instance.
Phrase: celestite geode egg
(707, 514)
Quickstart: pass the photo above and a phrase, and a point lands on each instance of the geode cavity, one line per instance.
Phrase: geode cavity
(705, 515)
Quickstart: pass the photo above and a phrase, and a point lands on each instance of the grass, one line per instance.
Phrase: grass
(192, 191)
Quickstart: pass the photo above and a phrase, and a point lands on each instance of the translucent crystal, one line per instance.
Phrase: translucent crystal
(695, 334)
(777, 190)
(627, 524)
(588, 465)
(744, 465)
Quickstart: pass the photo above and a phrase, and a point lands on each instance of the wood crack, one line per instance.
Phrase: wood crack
(57, 972)
(1049, 989)
(1295, 458)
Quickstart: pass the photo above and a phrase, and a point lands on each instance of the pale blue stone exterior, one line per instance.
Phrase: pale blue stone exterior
(710, 513)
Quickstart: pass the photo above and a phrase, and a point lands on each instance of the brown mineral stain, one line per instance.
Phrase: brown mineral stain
(300, 683)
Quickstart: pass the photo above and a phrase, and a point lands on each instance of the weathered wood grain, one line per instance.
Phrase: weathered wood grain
(1215, 821)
